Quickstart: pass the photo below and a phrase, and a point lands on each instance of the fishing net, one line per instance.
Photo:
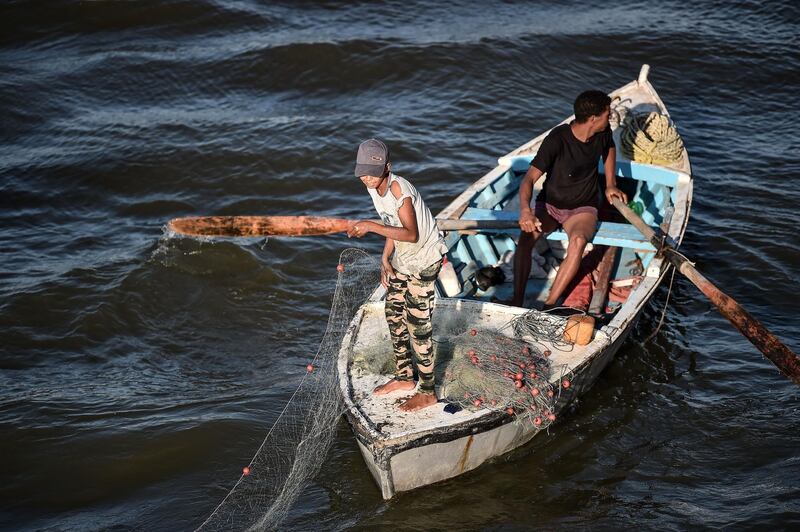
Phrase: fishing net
(489, 369)
(507, 368)
(295, 447)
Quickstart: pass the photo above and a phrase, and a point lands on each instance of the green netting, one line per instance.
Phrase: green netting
(490, 370)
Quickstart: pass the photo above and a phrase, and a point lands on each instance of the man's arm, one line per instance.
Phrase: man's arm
(610, 166)
(527, 220)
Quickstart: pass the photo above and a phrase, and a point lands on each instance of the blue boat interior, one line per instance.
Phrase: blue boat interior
(653, 188)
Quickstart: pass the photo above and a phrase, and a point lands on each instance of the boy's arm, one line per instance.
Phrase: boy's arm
(388, 249)
(409, 232)
(387, 270)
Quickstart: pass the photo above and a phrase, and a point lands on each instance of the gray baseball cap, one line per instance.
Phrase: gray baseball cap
(371, 158)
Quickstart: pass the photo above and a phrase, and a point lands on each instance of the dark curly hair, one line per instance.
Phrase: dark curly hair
(590, 103)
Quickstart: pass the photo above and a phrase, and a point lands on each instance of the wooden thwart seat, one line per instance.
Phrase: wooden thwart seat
(608, 233)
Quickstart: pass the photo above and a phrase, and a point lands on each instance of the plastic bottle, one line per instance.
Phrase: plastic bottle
(636, 206)
(449, 279)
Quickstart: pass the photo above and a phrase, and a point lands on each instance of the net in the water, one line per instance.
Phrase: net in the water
(294, 449)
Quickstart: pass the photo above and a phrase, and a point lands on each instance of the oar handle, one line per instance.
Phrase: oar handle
(450, 224)
(636, 221)
(787, 361)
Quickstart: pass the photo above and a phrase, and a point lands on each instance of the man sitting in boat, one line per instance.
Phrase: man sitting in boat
(412, 258)
(569, 155)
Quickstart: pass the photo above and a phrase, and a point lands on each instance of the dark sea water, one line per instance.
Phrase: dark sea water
(138, 375)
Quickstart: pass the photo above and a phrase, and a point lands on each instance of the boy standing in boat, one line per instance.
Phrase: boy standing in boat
(412, 258)
(569, 155)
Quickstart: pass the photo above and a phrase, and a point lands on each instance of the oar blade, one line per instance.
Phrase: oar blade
(258, 226)
(784, 358)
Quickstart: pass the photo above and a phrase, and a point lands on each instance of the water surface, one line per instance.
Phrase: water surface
(139, 375)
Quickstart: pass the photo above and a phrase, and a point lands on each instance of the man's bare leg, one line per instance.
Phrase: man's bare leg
(580, 228)
(419, 401)
(394, 385)
(522, 265)
(523, 258)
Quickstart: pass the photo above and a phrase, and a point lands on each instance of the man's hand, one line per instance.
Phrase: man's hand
(611, 192)
(386, 272)
(359, 229)
(528, 222)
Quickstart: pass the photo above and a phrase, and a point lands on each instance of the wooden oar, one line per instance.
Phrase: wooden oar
(261, 226)
(787, 361)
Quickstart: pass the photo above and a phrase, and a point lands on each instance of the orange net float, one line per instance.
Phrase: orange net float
(579, 330)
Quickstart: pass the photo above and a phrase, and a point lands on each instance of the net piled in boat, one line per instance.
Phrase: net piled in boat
(544, 327)
(490, 370)
(295, 447)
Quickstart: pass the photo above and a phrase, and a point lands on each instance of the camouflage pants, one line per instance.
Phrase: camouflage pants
(408, 313)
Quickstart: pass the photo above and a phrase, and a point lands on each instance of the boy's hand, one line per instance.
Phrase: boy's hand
(386, 272)
(359, 229)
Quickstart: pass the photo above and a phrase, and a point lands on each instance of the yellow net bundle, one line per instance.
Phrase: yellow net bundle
(651, 138)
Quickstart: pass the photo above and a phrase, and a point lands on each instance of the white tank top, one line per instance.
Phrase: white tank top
(410, 258)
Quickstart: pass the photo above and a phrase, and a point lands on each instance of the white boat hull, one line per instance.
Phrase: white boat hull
(404, 464)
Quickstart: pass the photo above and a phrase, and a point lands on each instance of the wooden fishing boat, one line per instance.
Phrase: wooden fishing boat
(404, 451)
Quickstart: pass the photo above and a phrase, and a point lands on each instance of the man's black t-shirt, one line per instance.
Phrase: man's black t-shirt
(571, 166)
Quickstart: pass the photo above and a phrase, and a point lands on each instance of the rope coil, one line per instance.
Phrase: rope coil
(651, 138)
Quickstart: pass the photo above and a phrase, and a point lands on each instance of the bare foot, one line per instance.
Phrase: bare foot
(393, 386)
(419, 401)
